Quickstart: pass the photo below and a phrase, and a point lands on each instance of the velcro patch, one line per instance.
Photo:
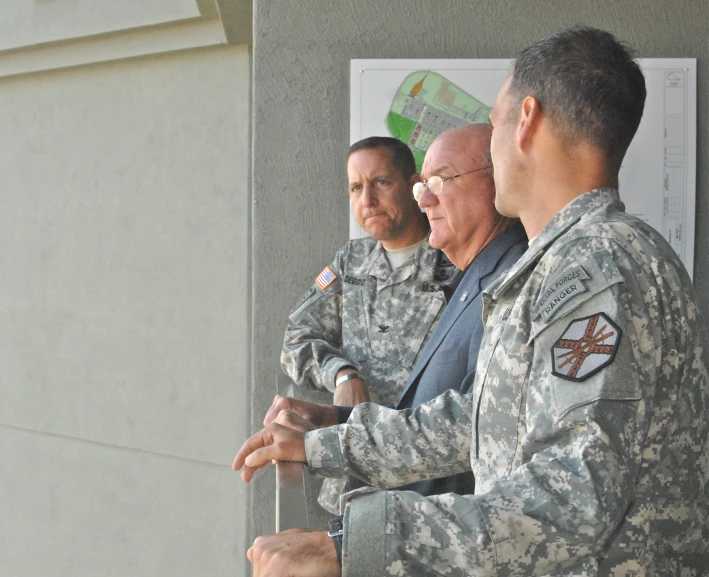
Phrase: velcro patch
(585, 347)
(347, 279)
(325, 278)
(559, 291)
(429, 288)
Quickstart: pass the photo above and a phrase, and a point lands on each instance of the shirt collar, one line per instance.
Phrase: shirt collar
(557, 226)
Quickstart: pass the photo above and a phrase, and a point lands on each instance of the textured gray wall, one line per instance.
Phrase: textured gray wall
(301, 125)
(124, 249)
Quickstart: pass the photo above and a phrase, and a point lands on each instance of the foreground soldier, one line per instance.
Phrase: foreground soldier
(587, 427)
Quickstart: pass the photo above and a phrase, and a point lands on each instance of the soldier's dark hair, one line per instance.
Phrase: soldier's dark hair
(401, 156)
(588, 85)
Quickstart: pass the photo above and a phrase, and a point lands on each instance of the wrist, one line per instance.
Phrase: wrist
(343, 414)
(332, 369)
(344, 377)
(331, 417)
(336, 532)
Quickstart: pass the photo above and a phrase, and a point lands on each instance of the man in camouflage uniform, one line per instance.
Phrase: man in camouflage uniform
(362, 315)
(587, 426)
(358, 330)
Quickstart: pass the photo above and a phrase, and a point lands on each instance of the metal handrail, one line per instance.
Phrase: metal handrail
(291, 491)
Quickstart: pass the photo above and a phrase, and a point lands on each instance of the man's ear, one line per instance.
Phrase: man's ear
(529, 117)
(415, 177)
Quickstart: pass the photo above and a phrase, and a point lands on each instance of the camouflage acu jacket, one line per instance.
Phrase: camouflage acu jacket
(587, 426)
(359, 312)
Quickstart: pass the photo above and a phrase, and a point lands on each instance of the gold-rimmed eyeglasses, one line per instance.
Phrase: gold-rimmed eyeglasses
(435, 183)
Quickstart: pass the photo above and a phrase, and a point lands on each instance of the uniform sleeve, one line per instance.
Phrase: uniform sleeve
(556, 474)
(550, 513)
(388, 448)
(312, 345)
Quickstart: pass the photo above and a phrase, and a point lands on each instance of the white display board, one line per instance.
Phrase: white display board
(424, 97)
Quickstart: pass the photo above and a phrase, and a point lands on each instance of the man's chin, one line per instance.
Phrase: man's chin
(502, 207)
(378, 232)
(436, 240)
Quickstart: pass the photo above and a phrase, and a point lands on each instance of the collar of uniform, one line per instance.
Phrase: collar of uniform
(413, 267)
(562, 222)
(376, 264)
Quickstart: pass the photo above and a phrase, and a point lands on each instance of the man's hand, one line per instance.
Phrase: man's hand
(351, 393)
(294, 553)
(318, 416)
(275, 442)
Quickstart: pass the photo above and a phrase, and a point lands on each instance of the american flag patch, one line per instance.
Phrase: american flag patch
(325, 278)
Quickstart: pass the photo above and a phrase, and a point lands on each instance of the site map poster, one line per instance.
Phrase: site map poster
(416, 100)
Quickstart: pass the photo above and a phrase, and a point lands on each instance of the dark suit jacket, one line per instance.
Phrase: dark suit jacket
(449, 358)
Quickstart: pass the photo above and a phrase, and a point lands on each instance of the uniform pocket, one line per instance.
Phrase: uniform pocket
(356, 344)
(500, 399)
(420, 327)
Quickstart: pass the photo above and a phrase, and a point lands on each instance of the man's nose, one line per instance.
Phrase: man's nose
(368, 197)
(427, 198)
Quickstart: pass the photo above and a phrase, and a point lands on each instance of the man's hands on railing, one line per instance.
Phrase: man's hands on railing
(283, 437)
(295, 552)
(275, 442)
(283, 410)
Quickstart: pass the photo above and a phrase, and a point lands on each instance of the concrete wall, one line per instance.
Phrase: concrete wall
(124, 306)
(301, 123)
(38, 36)
(28, 22)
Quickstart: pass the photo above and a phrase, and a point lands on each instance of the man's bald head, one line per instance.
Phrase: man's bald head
(470, 144)
(471, 138)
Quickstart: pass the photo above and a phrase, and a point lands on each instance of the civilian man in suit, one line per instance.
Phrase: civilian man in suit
(458, 194)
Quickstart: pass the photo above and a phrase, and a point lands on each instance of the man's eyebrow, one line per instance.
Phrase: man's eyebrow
(378, 176)
(381, 176)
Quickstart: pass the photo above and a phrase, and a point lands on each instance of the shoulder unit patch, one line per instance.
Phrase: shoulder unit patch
(325, 278)
(585, 347)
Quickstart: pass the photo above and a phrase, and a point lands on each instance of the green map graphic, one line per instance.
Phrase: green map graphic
(427, 104)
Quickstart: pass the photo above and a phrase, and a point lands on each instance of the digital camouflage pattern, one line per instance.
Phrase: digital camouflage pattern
(371, 317)
(603, 474)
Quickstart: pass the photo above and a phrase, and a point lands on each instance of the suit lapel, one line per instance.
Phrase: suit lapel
(471, 284)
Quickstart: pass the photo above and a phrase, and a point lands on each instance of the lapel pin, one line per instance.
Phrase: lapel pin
(464, 296)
